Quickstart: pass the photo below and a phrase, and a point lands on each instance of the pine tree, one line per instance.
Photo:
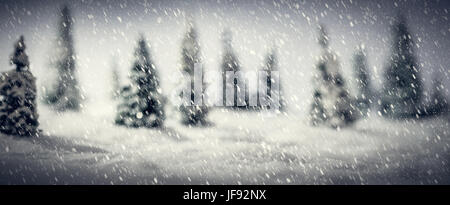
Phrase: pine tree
(192, 114)
(318, 113)
(142, 102)
(402, 89)
(439, 103)
(66, 94)
(364, 97)
(18, 113)
(115, 92)
(19, 58)
(332, 105)
(230, 62)
(270, 66)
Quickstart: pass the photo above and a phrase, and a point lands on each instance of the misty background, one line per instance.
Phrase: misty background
(107, 31)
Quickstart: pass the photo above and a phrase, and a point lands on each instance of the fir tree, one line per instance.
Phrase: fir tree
(318, 114)
(332, 105)
(192, 114)
(402, 89)
(439, 103)
(364, 96)
(142, 102)
(230, 62)
(115, 92)
(270, 66)
(18, 114)
(66, 94)
(19, 58)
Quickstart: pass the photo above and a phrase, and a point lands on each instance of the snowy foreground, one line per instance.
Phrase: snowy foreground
(240, 148)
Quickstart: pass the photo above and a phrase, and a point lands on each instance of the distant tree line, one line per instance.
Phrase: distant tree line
(142, 101)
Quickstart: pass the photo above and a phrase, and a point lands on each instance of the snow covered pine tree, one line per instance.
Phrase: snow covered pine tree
(364, 98)
(332, 105)
(65, 94)
(439, 103)
(18, 114)
(270, 65)
(115, 78)
(402, 89)
(230, 63)
(142, 104)
(190, 53)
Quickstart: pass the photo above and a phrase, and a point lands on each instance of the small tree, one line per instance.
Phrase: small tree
(18, 114)
(439, 102)
(402, 90)
(230, 63)
(192, 114)
(270, 66)
(66, 94)
(115, 78)
(332, 104)
(142, 102)
(364, 97)
(19, 58)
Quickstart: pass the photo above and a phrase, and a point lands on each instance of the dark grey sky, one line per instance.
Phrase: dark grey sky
(107, 28)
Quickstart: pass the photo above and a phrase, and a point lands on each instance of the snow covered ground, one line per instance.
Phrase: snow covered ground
(240, 148)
